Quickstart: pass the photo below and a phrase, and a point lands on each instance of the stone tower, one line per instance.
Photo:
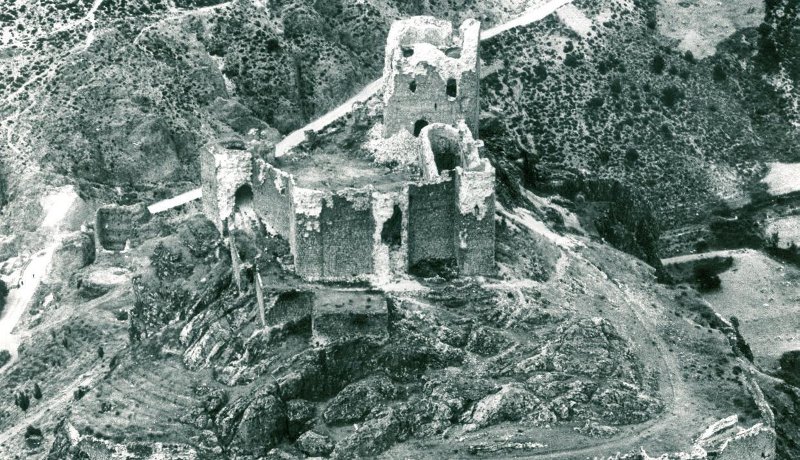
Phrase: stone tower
(431, 75)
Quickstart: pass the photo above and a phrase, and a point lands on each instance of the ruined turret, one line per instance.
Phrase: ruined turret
(431, 75)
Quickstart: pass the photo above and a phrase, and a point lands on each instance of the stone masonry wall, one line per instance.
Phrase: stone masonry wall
(272, 196)
(431, 74)
(116, 225)
(223, 171)
(474, 220)
(430, 222)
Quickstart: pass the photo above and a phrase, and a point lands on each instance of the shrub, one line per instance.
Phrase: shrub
(5, 357)
(671, 95)
(706, 278)
(3, 295)
(658, 64)
(23, 401)
(168, 263)
(718, 73)
(790, 366)
(688, 56)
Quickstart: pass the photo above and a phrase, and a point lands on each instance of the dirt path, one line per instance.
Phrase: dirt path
(702, 256)
(57, 206)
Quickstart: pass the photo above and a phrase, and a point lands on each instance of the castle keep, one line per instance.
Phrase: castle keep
(433, 207)
(431, 75)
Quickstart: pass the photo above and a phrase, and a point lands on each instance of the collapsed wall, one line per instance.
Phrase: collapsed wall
(225, 172)
(431, 75)
(116, 226)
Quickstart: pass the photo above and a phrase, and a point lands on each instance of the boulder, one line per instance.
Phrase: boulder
(314, 444)
(102, 280)
(372, 438)
(356, 400)
(76, 251)
(512, 403)
(263, 424)
(299, 415)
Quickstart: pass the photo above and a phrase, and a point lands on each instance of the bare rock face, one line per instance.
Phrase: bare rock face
(262, 425)
(357, 400)
(512, 403)
(314, 444)
(300, 416)
(372, 438)
(101, 281)
(76, 251)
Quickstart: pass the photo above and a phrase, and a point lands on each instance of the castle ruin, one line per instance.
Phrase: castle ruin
(431, 75)
(372, 219)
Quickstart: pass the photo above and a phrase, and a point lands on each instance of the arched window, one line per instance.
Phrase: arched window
(243, 198)
(418, 126)
(452, 87)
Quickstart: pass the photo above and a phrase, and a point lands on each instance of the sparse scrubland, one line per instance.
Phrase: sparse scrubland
(574, 347)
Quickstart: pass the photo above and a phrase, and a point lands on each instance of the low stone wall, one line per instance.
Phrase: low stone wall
(343, 315)
(117, 226)
(290, 306)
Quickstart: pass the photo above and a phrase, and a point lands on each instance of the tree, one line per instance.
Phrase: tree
(23, 401)
(100, 352)
(37, 392)
(658, 64)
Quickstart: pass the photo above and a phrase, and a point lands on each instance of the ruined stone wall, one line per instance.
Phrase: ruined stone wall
(332, 234)
(289, 306)
(390, 246)
(116, 225)
(757, 443)
(272, 196)
(474, 220)
(430, 102)
(431, 222)
(431, 75)
(341, 315)
(223, 171)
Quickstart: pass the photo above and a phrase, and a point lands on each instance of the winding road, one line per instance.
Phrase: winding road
(57, 206)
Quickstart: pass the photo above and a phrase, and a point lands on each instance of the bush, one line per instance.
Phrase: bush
(671, 95)
(658, 64)
(790, 366)
(718, 73)
(3, 295)
(707, 279)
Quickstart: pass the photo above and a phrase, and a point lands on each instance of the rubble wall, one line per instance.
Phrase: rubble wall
(305, 236)
(347, 235)
(116, 225)
(290, 306)
(227, 170)
(430, 101)
(757, 443)
(272, 200)
(390, 240)
(430, 222)
(431, 74)
(474, 221)
(208, 180)
(342, 315)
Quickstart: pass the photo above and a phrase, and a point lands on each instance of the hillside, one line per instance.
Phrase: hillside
(615, 145)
